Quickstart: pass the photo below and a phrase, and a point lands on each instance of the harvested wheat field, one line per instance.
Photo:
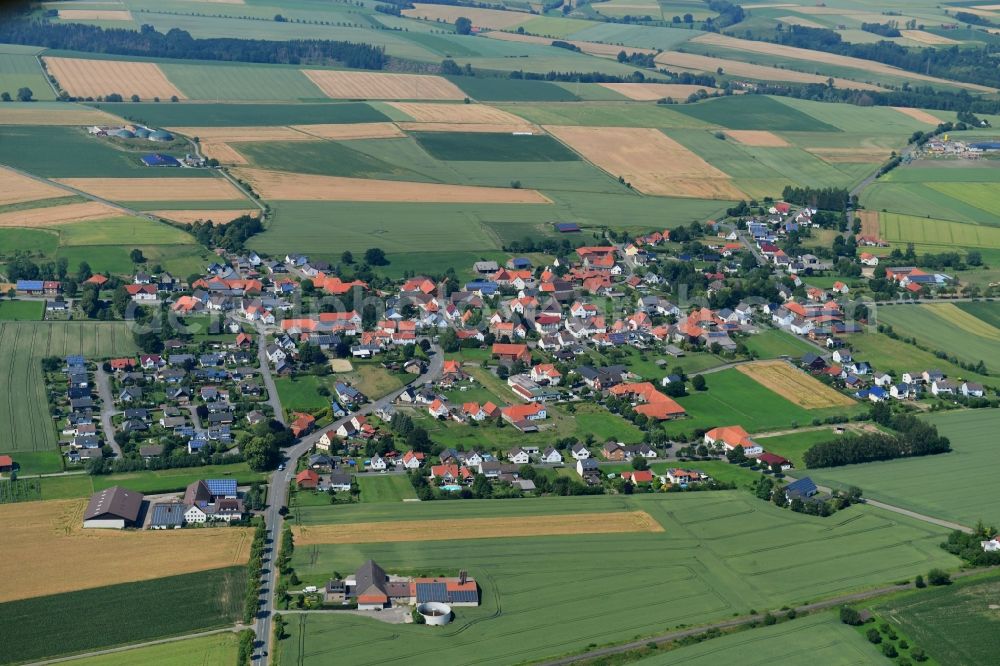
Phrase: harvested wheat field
(15, 188)
(95, 78)
(224, 152)
(457, 113)
(794, 385)
(337, 132)
(919, 114)
(217, 216)
(869, 223)
(478, 528)
(647, 92)
(284, 186)
(927, 37)
(481, 18)
(54, 215)
(65, 114)
(699, 63)
(366, 85)
(95, 14)
(808, 56)
(44, 540)
(156, 189)
(650, 160)
(525, 128)
(759, 138)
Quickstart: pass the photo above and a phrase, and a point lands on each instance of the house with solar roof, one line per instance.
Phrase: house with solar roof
(373, 589)
(211, 500)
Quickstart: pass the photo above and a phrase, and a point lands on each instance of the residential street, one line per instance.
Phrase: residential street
(277, 494)
(107, 409)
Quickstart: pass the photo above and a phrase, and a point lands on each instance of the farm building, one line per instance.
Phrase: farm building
(160, 160)
(113, 508)
(374, 589)
(167, 516)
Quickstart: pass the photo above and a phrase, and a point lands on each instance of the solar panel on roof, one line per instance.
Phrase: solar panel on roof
(462, 596)
(432, 592)
(223, 487)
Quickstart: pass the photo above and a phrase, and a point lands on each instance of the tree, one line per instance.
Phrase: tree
(873, 636)
(850, 616)
(5, 96)
(938, 577)
(736, 455)
(347, 257)
(120, 301)
(136, 256)
(135, 98)
(889, 650)
(261, 453)
(463, 25)
(83, 272)
(698, 383)
(375, 256)
(919, 581)
(639, 463)
(24, 94)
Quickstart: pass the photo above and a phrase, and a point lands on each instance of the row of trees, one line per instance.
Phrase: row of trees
(255, 568)
(180, 44)
(230, 236)
(913, 438)
(823, 198)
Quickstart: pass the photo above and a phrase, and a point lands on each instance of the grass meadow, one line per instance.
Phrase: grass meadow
(231, 115)
(988, 312)
(773, 343)
(753, 112)
(947, 327)
(794, 445)
(215, 649)
(733, 398)
(957, 624)
(821, 638)
(720, 554)
(487, 147)
(949, 485)
(127, 613)
(21, 310)
(388, 488)
(932, 235)
(25, 411)
(18, 70)
(897, 357)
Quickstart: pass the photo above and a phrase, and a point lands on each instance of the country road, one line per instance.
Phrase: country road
(277, 494)
(107, 409)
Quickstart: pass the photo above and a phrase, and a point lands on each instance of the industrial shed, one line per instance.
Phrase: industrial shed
(114, 508)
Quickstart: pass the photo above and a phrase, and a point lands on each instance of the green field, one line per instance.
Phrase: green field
(328, 158)
(486, 147)
(822, 639)
(169, 480)
(606, 114)
(512, 90)
(388, 488)
(28, 240)
(933, 235)
(733, 398)
(962, 191)
(79, 155)
(720, 554)
(941, 326)
(794, 445)
(957, 624)
(988, 312)
(25, 411)
(19, 70)
(753, 112)
(235, 82)
(128, 613)
(131, 231)
(225, 115)
(21, 310)
(215, 649)
(896, 357)
(20, 490)
(949, 485)
(773, 343)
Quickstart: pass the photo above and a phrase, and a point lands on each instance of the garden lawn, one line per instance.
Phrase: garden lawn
(129, 613)
(794, 445)
(774, 343)
(947, 485)
(733, 398)
(22, 310)
(299, 394)
(720, 554)
(385, 488)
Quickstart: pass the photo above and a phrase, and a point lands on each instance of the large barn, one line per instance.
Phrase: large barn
(114, 508)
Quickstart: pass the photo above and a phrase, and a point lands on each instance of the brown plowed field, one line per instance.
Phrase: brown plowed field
(157, 189)
(869, 223)
(280, 185)
(93, 78)
(368, 85)
(478, 528)
(44, 547)
(650, 160)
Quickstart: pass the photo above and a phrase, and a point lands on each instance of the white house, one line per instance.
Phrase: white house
(943, 387)
(412, 460)
(991, 546)
(580, 452)
(883, 379)
(326, 441)
(377, 463)
(550, 455)
(518, 456)
(972, 390)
